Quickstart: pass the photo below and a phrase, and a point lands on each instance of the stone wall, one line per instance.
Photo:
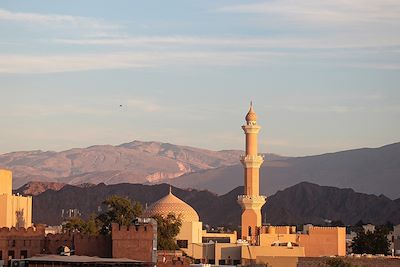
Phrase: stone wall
(83, 245)
(21, 242)
(357, 262)
(135, 242)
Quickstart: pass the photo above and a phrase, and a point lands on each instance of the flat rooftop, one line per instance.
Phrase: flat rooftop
(81, 259)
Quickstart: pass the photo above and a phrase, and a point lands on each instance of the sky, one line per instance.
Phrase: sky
(324, 76)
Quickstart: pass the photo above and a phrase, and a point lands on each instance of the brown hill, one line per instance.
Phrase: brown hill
(302, 203)
(367, 170)
(35, 188)
(135, 162)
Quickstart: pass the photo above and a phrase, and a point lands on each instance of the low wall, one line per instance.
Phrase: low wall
(357, 262)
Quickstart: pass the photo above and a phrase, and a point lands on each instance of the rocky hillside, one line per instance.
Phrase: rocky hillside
(302, 203)
(367, 170)
(135, 162)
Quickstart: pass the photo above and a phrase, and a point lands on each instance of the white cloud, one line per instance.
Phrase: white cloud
(338, 109)
(328, 11)
(83, 62)
(320, 42)
(55, 20)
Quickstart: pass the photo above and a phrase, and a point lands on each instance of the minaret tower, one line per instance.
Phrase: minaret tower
(251, 202)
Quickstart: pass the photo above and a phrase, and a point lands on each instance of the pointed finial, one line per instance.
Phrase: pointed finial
(170, 189)
(251, 115)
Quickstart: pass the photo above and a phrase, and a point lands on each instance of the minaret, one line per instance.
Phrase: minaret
(251, 202)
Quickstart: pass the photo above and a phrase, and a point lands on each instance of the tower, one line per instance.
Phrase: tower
(15, 210)
(251, 201)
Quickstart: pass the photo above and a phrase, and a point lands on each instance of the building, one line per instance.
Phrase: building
(136, 242)
(77, 261)
(396, 239)
(15, 210)
(276, 245)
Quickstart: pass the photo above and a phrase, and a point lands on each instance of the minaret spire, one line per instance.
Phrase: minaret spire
(170, 189)
(251, 201)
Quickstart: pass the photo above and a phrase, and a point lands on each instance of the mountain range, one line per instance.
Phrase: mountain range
(134, 162)
(302, 203)
(367, 170)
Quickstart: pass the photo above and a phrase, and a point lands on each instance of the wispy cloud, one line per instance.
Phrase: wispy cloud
(83, 62)
(282, 42)
(52, 20)
(339, 109)
(329, 11)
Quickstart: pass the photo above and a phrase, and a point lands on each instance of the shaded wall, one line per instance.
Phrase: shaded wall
(136, 242)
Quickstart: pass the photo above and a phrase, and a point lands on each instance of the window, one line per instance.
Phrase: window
(1, 255)
(24, 254)
(182, 243)
(216, 239)
(221, 262)
(11, 254)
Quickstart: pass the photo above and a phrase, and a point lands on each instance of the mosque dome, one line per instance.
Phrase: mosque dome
(251, 115)
(172, 204)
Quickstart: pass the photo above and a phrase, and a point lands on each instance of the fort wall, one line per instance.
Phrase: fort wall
(135, 242)
(324, 241)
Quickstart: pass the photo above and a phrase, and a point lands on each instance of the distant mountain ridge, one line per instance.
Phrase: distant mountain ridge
(134, 162)
(367, 170)
(299, 204)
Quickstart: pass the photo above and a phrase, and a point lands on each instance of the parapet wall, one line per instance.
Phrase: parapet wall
(84, 245)
(37, 231)
(365, 262)
(134, 242)
(279, 229)
(324, 241)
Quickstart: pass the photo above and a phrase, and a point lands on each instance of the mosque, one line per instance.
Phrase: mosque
(257, 243)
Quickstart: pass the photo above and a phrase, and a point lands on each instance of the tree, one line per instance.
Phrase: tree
(74, 224)
(77, 224)
(91, 226)
(167, 229)
(371, 242)
(119, 210)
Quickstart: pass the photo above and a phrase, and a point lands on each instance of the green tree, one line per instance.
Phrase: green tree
(137, 209)
(119, 210)
(371, 242)
(77, 224)
(74, 224)
(167, 229)
(91, 226)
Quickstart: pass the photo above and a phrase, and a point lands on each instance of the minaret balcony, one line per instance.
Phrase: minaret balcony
(252, 161)
(251, 202)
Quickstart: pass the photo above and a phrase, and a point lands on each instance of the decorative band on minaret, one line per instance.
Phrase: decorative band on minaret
(251, 202)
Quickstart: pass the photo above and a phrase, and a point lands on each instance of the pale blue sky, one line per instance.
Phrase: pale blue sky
(324, 75)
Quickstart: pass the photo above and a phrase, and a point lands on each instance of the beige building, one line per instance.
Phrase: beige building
(15, 210)
(276, 245)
